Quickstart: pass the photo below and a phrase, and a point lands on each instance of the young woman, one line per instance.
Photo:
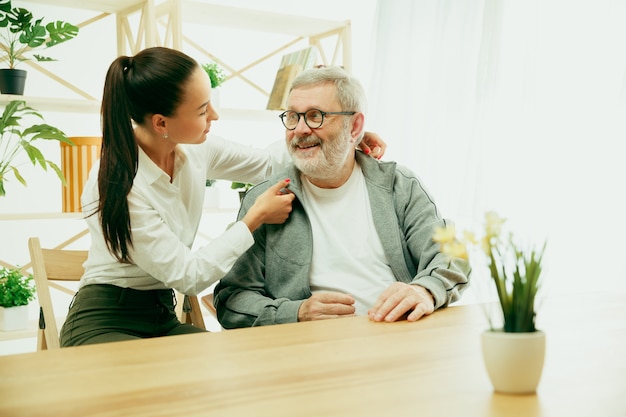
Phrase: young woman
(143, 200)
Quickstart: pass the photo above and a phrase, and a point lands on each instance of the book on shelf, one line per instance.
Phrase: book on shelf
(280, 91)
(291, 65)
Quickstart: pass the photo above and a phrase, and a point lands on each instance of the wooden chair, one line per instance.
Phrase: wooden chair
(51, 266)
(207, 301)
(189, 310)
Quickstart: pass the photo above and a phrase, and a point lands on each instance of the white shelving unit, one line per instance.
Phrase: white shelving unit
(144, 23)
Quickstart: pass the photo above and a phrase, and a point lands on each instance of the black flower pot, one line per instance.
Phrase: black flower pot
(12, 81)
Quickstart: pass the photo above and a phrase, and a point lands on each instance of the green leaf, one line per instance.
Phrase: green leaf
(58, 171)
(60, 32)
(16, 289)
(14, 140)
(41, 58)
(18, 176)
(34, 36)
(237, 185)
(5, 6)
(35, 155)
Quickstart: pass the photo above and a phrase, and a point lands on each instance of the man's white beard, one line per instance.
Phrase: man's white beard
(329, 159)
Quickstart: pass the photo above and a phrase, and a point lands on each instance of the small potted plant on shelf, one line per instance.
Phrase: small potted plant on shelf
(16, 291)
(15, 140)
(216, 74)
(20, 36)
(513, 348)
(217, 77)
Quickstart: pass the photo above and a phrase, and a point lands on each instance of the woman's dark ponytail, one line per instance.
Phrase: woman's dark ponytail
(118, 160)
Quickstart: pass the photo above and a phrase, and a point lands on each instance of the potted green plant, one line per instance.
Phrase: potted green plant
(217, 77)
(15, 140)
(216, 74)
(242, 187)
(16, 291)
(21, 35)
(513, 348)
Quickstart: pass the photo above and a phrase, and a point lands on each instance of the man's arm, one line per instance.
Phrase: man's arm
(437, 280)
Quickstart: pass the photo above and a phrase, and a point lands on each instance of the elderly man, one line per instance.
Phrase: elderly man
(359, 238)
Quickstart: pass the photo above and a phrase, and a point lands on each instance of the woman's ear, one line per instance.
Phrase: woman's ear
(159, 124)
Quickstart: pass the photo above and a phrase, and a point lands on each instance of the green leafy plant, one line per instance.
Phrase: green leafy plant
(209, 182)
(515, 271)
(240, 185)
(14, 140)
(21, 34)
(216, 74)
(15, 288)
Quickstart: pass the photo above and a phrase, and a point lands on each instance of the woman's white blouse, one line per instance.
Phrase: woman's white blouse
(165, 217)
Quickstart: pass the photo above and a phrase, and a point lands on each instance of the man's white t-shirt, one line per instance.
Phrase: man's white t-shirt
(347, 254)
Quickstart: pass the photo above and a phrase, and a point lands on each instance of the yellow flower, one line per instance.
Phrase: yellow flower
(455, 249)
(485, 245)
(444, 235)
(469, 237)
(493, 224)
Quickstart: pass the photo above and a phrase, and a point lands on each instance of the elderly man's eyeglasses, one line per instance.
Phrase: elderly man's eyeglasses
(313, 118)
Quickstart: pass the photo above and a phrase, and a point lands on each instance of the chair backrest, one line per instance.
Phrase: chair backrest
(50, 265)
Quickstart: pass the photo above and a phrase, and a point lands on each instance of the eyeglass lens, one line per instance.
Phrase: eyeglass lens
(313, 118)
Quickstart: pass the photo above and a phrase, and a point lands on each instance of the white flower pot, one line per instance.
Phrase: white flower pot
(13, 318)
(514, 361)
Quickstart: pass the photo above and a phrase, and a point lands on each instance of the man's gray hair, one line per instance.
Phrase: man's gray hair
(349, 90)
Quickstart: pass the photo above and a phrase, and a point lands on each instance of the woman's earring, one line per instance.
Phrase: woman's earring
(165, 136)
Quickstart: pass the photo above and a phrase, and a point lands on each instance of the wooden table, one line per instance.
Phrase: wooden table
(344, 367)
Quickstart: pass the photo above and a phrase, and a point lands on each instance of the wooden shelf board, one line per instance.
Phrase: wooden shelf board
(256, 20)
(55, 104)
(107, 6)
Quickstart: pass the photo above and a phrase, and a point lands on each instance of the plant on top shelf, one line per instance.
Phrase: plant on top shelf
(15, 289)
(515, 271)
(216, 74)
(21, 34)
(15, 140)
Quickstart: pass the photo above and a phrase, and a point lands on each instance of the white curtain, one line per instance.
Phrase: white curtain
(518, 107)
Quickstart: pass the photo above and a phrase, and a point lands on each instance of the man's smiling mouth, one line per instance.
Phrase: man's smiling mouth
(305, 146)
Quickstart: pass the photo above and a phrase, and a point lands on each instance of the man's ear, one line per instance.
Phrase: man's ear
(358, 126)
